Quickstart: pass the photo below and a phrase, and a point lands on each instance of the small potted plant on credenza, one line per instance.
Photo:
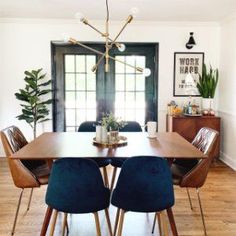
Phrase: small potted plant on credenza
(207, 86)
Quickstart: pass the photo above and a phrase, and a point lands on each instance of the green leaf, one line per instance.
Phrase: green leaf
(46, 83)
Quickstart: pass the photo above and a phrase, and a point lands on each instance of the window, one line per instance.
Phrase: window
(81, 95)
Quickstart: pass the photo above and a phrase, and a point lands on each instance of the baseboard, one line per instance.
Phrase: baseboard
(229, 161)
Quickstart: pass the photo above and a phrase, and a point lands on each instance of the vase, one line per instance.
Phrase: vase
(114, 135)
(207, 103)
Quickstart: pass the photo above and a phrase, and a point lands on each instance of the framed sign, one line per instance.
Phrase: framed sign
(187, 67)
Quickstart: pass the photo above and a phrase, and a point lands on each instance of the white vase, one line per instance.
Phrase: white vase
(207, 103)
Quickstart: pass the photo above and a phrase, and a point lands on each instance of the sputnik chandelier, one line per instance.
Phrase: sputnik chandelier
(109, 42)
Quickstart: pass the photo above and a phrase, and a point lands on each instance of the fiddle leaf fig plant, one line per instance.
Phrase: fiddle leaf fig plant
(208, 82)
(34, 106)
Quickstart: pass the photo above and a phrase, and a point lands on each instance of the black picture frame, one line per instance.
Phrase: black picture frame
(185, 63)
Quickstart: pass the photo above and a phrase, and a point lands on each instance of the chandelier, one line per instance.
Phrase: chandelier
(109, 42)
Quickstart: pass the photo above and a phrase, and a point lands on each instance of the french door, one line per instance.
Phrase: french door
(82, 95)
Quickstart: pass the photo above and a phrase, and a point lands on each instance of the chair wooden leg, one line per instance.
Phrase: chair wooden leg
(172, 222)
(17, 212)
(202, 215)
(122, 215)
(189, 198)
(164, 224)
(105, 176)
(46, 221)
(159, 223)
(97, 224)
(30, 198)
(64, 224)
(117, 220)
(54, 220)
(108, 221)
(113, 178)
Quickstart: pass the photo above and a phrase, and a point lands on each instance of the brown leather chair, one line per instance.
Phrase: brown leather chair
(27, 173)
(193, 173)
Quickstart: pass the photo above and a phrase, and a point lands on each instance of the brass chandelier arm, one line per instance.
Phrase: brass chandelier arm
(74, 41)
(129, 19)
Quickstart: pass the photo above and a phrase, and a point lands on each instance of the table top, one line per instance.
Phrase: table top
(56, 145)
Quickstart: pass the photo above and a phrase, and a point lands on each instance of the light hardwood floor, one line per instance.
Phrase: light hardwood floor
(218, 198)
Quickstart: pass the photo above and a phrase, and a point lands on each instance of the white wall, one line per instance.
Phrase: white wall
(25, 44)
(227, 90)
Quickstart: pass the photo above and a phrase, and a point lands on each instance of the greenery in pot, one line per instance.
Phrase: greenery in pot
(111, 122)
(208, 82)
(34, 109)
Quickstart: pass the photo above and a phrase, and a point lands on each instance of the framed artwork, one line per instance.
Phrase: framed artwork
(187, 67)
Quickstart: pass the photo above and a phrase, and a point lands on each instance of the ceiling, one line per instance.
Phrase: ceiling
(149, 10)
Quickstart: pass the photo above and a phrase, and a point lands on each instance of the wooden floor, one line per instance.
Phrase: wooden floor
(218, 197)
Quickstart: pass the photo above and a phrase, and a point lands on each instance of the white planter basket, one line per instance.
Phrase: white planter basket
(207, 103)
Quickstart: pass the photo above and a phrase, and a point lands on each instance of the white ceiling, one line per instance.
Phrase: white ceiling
(150, 10)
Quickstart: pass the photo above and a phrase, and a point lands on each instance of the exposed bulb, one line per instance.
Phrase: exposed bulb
(121, 47)
(134, 11)
(146, 72)
(79, 16)
(65, 38)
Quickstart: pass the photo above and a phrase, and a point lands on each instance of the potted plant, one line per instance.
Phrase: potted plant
(207, 86)
(34, 107)
(112, 124)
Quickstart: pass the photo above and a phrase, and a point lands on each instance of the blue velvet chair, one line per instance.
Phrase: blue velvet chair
(131, 126)
(90, 126)
(144, 185)
(76, 186)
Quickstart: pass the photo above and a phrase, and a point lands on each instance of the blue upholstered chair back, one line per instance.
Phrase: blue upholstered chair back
(132, 126)
(144, 185)
(76, 186)
(87, 126)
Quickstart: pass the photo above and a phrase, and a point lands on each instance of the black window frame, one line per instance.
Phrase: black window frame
(105, 87)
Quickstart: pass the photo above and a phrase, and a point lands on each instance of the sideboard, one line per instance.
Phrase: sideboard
(188, 126)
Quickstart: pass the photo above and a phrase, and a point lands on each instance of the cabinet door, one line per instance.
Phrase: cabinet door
(185, 127)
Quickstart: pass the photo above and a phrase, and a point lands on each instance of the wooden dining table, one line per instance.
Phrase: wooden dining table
(55, 145)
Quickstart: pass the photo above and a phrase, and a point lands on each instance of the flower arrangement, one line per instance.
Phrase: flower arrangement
(111, 122)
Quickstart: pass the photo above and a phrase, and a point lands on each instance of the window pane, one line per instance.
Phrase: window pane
(130, 114)
(80, 63)
(130, 100)
(69, 63)
(140, 83)
(81, 116)
(70, 81)
(80, 99)
(91, 100)
(120, 67)
(91, 114)
(130, 60)
(70, 100)
(91, 61)
(119, 100)
(120, 82)
(120, 113)
(140, 116)
(130, 82)
(91, 82)
(70, 129)
(80, 82)
(140, 61)
(140, 100)
(70, 117)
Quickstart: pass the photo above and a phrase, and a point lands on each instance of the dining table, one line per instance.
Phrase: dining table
(55, 145)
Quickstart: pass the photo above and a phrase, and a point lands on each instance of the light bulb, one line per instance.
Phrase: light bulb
(146, 72)
(121, 47)
(134, 11)
(65, 38)
(79, 16)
